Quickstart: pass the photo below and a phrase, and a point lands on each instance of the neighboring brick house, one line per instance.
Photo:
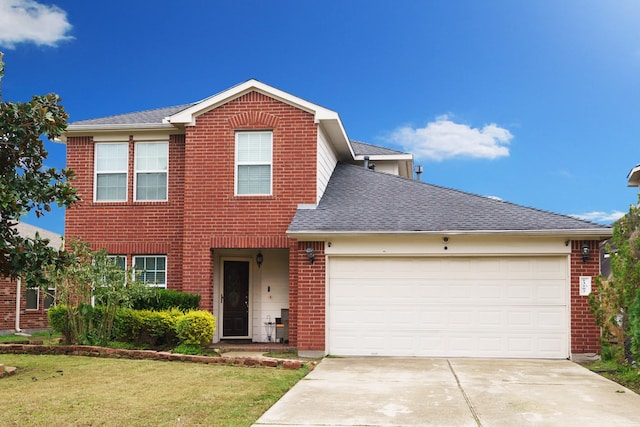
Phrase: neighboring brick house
(23, 308)
(258, 201)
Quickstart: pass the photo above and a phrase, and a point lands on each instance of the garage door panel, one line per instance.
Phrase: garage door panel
(448, 307)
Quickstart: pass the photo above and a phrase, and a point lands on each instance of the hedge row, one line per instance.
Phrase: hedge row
(165, 299)
(147, 327)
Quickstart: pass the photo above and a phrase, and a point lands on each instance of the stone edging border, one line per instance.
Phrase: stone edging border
(93, 351)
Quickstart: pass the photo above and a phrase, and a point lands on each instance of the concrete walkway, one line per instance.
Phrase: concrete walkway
(453, 392)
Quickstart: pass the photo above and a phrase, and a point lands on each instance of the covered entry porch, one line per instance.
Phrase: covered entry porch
(250, 294)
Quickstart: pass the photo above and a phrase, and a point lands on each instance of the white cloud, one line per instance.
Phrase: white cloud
(444, 139)
(601, 217)
(27, 21)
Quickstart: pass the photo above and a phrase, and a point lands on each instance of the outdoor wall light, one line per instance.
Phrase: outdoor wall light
(259, 259)
(311, 254)
(586, 251)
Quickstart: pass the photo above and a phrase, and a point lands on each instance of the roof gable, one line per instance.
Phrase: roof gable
(358, 200)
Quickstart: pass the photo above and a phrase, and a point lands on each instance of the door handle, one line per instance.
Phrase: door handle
(221, 298)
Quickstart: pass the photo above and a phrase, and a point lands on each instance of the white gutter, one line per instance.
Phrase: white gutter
(582, 233)
(18, 294)
(82, 130)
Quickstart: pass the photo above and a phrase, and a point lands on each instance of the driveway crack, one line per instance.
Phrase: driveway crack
(466, 397)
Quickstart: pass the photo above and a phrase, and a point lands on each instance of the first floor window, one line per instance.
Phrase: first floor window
(33, 298)
(49, 298)
(253, 163)
(151, 270)
(111, 172)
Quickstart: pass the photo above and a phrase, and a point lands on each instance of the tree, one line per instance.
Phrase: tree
(91, 289)
(617, 304)
(26, 185)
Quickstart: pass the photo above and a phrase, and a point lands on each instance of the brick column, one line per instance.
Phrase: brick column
(311, 303)
(585, 334)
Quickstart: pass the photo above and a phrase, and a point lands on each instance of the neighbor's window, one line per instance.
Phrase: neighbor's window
(49, 298)
(253, 163)
(151, 165)
(151, 270)
(33, 298)
(111, 172)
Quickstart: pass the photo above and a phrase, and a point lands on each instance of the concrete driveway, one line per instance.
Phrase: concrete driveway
(453, 392)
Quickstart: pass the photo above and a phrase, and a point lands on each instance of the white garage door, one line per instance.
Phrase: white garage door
(448, 307)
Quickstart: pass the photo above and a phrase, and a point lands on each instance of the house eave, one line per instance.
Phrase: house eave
(633, 177)
(88, 130)
(572, 234)
(187, 116)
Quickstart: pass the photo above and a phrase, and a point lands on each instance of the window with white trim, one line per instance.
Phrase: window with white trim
(151, 169)
(33, 298)
(254, 163)
(111, 160)
(151, 270)
(49, 298)
(119, 261)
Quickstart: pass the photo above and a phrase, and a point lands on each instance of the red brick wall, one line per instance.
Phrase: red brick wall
(310, 310)
(29, 319)
(202, 212)
(585, 334)
(129, 228)
(214, 217)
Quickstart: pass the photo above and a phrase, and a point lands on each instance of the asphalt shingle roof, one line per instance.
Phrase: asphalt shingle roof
(139, 117)
(361, 200)
(364, 149)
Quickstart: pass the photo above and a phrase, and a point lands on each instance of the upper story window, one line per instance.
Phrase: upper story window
(151, 166)
(253, 163)
(111, 172)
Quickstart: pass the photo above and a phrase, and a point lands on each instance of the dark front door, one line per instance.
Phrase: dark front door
(235, 305)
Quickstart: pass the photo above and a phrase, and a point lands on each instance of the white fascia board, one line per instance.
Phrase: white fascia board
(89, 130)
(399, 156)
(337, 137)
(583, 234)
(634, 177)
(188, 115)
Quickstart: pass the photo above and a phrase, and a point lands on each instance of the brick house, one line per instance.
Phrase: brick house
(23, 308)
(258, 201)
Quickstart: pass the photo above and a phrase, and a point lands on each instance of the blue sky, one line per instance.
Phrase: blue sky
(534, 102)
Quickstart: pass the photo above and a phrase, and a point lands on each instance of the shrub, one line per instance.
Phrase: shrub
(146, 326)
(196, 328)
(165, 299)
(58, 320)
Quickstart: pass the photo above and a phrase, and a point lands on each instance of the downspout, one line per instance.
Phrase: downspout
(18, 294)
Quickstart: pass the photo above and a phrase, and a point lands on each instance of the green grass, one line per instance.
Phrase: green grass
(45, 337)
(65, 390)
(621, 373)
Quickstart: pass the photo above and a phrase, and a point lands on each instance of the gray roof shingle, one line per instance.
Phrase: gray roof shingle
(364, 149)
(361, 200)
(140, 117)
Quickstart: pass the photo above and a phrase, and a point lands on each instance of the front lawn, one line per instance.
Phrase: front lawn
(621, 373)
(63, 390)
